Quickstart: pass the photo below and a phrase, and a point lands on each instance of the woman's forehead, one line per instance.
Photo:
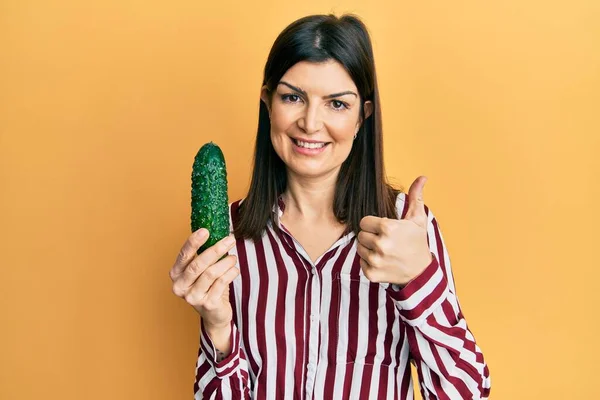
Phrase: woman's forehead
(319, 78)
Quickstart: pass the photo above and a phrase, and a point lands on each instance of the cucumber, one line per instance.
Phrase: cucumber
(210, 204)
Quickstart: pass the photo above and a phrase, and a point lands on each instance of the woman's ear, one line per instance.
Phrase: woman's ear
(368, 108)
(264, 96)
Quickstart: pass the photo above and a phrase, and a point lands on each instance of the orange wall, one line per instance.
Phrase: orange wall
(104, 104)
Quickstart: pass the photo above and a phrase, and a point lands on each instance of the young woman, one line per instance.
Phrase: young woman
(334, 281)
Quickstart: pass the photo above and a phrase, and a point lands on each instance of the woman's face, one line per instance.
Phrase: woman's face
(315, 113)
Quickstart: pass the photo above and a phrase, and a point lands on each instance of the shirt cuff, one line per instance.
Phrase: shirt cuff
(228, 365)
(421, 296)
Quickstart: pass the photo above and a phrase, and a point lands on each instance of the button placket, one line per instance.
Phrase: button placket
(314, 327)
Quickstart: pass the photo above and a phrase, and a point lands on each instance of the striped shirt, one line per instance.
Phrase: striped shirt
(322, 330)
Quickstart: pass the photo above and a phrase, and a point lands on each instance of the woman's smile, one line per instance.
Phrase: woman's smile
(309, 147)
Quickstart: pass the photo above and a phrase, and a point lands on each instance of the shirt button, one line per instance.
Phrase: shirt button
(314, 271)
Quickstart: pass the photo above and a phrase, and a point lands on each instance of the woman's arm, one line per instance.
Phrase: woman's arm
(448, 360)
(218, 377)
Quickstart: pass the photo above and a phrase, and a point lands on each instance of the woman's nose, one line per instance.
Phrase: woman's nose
(311, 121)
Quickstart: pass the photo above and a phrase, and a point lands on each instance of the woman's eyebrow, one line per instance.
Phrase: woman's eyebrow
(329, 96)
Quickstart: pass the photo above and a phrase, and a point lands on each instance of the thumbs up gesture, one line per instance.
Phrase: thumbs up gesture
(396, 250)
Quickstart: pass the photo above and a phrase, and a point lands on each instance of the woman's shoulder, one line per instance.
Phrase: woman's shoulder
(401, 204)
(235, 203)
(234, 207)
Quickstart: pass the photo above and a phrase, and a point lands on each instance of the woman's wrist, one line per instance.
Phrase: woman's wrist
(220, 337)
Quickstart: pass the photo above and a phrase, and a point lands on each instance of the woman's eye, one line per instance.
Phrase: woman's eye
(338, 105)
(290, 98)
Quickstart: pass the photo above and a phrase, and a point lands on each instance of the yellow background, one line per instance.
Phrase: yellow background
(104, 104)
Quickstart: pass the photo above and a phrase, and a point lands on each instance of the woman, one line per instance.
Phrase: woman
(334, 281)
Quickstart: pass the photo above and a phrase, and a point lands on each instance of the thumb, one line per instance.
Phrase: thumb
(416, 205)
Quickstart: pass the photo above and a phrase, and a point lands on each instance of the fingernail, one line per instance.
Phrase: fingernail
(229, 240)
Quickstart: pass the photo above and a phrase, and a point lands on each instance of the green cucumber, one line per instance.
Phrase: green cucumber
(210, 204)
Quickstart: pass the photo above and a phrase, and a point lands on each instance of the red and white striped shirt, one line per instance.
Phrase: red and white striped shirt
(304, 330)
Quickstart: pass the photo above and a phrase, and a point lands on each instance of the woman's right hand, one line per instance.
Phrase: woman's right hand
(203, 280)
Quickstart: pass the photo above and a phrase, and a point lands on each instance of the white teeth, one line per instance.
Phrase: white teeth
(307, 145)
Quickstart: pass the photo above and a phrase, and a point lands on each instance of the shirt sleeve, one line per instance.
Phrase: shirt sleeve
(225, 379)
(449, 362)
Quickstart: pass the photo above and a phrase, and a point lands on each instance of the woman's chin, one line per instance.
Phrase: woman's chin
(311, 170)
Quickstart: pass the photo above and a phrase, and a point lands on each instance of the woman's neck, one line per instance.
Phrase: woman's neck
(310, 199)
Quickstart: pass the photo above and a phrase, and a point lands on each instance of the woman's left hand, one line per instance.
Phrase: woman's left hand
(396, 250)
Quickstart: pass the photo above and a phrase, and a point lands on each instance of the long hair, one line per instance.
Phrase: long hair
(362, 188)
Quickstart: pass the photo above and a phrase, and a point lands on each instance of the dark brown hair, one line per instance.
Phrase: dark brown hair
(362, 188)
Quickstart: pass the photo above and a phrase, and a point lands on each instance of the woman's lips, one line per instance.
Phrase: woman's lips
(308, 151)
